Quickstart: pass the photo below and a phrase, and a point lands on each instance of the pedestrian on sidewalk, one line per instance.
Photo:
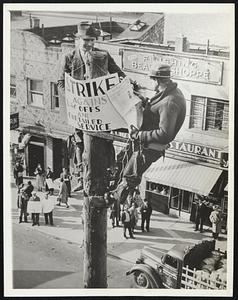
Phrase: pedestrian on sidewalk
(134, 216)
(22, 201)
(34, 207)
(63, 193)
(215, 218)
(47, 207)
(49, 181)
(65, 175)
(126, 221)
(200, 215)
(18, 173)
(146, 211)
(39, 177)
(114, 214)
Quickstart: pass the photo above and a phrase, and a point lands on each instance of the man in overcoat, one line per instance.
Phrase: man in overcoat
(163, 116)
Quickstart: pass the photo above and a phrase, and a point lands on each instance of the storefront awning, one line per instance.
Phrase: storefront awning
(183, 175)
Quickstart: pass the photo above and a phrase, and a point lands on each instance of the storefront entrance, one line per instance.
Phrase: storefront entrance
(35, 156)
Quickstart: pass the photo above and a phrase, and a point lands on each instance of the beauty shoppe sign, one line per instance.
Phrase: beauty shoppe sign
(183, 67)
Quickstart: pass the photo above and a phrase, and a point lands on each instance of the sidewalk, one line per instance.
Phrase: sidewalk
(165, 231)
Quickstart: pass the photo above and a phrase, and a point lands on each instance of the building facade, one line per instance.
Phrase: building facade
(199, 154)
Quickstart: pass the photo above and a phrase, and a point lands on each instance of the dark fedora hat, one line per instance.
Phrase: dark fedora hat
(160, 71)
(87, 31)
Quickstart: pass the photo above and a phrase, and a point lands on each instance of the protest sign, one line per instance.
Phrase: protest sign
(88, 105)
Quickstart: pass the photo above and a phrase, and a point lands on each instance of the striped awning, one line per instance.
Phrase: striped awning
(183, 175)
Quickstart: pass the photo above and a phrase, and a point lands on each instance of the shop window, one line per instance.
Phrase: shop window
(54, 96)
(13, 86)
(209, 114)
(174, 198)
(35, 92)
(186, 201)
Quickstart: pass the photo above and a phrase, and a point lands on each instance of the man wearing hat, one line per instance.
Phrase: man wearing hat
(86, 61)
(163, 117)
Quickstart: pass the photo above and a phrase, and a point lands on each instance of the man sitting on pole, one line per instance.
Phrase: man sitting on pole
(163, 117)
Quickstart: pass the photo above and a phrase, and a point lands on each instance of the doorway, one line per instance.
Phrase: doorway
(35, 156)
(57, 157)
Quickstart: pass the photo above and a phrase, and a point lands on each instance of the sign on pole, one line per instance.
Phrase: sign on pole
(101, 104)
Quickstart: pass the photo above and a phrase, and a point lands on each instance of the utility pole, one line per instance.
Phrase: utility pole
(97, 157)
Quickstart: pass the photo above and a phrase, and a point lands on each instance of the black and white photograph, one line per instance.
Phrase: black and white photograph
(118, 149)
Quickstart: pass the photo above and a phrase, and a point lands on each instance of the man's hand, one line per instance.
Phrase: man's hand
(133, 132)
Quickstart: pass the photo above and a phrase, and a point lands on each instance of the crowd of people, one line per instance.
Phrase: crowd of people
(31, 203)
(128, 213)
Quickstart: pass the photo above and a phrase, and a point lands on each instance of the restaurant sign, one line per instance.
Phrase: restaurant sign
(182, 67)
(198, 151)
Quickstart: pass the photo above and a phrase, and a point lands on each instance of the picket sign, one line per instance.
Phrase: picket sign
(191, 280)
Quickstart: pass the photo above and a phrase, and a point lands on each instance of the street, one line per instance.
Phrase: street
(42, 261)
(52, 256)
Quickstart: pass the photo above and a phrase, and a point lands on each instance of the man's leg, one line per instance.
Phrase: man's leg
(46, 218)
(147, 223)
(130, 232)
(20, 216)
(37, 219)
(142, 222)
(124, 230)
(33, 216)
(51, 217)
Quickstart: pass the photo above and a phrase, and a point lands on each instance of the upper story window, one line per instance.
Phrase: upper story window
(54, 96)
(35, 92)
(209, 114)
(13, 86)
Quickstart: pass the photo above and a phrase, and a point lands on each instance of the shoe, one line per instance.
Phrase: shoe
(52, 224)
(20, 221)
(58, 204)
(46, 223)
(33, 224)
(147, 230)
(67, 206)
(38, 224)
(26, 221)
(132, 237)
(195, 229)
(125, 237)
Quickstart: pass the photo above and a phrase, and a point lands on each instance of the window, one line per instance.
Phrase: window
(174, 198)
(209, 114)
(35, 92)
(187, 198)
(13, 86)
(171, 261)
(54, 96)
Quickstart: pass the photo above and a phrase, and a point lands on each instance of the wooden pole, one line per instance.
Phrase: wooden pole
(97, 159)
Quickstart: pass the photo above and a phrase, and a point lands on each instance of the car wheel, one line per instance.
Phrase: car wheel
(141, 280)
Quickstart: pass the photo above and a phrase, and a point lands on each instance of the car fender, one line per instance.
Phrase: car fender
(149, 271)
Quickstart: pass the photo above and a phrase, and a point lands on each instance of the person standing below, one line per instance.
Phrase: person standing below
(63, 193)
(22, 204)
(49, 181)
(134, 216)
(146, 211)
(34, 207)
(29, 189)
(215, 218)
(114, 212)
(200, 215)
(126, 221)
(163, 116)
(47, 207)
(39, 177)
(66, 178)
(18, 173)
